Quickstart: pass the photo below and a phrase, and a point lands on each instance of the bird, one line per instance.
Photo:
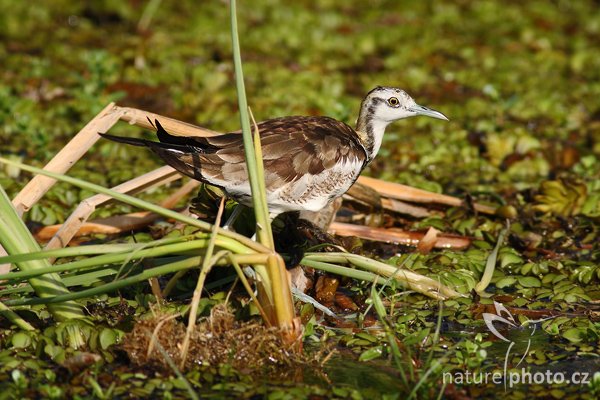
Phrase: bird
(308, 160)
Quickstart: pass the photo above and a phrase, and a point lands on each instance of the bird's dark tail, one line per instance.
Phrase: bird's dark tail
(170, 153)
(166, 137)
(167, 141)
(126, 140)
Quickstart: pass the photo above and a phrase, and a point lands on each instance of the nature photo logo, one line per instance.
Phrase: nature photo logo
(505, 317)
(503, 325)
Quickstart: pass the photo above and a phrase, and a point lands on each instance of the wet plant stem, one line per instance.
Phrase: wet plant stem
(490, 264)
(133, 201)
(189, 247)
(419, 283)
(16, 238)
(274, 287)
(206, 267)
(188, 263)
(15, 318)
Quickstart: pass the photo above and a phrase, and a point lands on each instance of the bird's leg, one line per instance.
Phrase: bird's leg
(233, 217)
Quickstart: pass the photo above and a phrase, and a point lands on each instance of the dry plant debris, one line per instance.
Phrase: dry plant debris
(249, 347)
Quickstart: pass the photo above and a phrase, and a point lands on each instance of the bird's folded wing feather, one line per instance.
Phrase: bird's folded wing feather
(292, 147)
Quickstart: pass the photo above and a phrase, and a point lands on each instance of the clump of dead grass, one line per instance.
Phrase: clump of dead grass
(249, 347)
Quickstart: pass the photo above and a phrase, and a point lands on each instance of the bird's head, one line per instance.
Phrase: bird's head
(388, 104)
(382, 106)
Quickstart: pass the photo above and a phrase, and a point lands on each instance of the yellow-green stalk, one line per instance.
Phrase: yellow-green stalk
(276, 287)
(16, 239)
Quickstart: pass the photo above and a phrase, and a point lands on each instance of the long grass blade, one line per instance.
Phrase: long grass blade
(259, 202)
(276, 288)
(206, 267)
(139, 203)
(188, 263)
(15, 318)
(490, 264)
(16, 238)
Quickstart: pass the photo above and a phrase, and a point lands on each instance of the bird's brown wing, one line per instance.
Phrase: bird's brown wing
(292, 147)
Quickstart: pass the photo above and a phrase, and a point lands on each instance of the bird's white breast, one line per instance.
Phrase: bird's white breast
(313, 192)
(310, 192)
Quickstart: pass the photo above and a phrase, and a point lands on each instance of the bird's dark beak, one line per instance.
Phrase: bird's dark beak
(420, 110)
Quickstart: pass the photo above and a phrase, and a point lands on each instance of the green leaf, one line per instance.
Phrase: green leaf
(21, 340)
(108, 337)
(490, 264)
(377, 303)
(509, 258)
(564, 197)
(591, 207)
(529, 281)
(366, 336)
(56, 353)
(574, 335)
(371, 354)
(506, 281)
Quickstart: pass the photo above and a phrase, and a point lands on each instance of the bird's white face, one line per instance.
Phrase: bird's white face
(382, 106)
(386, 104)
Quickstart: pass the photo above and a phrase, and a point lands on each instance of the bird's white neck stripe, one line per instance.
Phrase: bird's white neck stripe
(376, 129)
(371, 135)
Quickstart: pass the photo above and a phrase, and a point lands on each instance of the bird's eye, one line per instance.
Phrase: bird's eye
(393, 101)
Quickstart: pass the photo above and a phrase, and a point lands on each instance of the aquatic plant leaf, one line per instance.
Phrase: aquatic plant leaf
(564, 197)
(574, 335)
(371, 354)
(591, 207)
